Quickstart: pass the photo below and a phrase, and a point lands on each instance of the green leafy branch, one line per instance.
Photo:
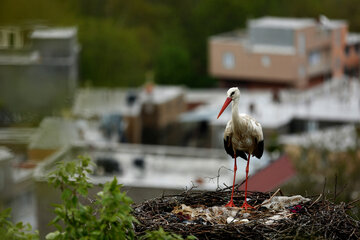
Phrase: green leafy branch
(19, 231)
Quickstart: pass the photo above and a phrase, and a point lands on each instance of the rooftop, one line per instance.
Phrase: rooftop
(16, 135)
(53, 133)
(335, 100)
(294, 23)
(353, 38)
(92, 102)
(164, 167)
(21, 58)
(336, 138)
(95, 102)
(54, 33)
(279, 22)
(5, 154)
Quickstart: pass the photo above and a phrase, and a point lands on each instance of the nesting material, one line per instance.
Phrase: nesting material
(203, 215)
(281, 203)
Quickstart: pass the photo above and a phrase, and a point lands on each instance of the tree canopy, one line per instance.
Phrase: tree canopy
(122, 41)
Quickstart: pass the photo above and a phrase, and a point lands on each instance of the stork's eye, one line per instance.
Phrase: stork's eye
(232, 94)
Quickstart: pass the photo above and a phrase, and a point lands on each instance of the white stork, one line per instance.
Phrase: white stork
(243, 137)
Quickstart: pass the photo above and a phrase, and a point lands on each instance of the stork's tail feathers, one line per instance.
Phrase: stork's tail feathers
(259, 149)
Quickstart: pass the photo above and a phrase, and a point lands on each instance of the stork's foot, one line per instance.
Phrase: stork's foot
(246, 206)
(230, 204)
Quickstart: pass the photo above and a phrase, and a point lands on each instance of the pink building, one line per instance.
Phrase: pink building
(284, 52)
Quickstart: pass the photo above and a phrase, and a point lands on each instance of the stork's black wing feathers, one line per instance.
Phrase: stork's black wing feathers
(259, 149)
(229, 149)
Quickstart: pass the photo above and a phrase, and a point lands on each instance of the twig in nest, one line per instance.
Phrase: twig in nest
(335, 187)
(323, 192)
(352, 202)
(218, 177)
(316, 200)
(267, 201)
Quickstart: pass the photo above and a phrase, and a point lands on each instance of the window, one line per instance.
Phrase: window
(266, 61)
(357, 48)
(228, 60)
(338, 38)
(11, 40)
(337, 63)
(314, 58)
(2, 180)
(347, 50)
(301, 71)
(312, 126)
(301, 44)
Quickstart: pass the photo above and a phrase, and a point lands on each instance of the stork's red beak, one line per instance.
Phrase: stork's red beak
(226, 103)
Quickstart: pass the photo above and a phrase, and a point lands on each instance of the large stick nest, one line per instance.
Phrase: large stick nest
(316, 219)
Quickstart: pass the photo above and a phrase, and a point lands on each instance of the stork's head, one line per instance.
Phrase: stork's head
(232, 94)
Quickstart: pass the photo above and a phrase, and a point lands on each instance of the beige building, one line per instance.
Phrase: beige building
(284, 52)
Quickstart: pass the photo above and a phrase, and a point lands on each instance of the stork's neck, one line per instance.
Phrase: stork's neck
(235, 110)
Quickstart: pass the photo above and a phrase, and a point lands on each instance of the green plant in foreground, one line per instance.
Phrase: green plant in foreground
(162, 235)
(19, 231)
(108, 216)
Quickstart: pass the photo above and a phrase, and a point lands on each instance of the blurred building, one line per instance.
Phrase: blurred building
(333, 103)
(16, 188)
(38, 71)
(53, 134)
(144, 115)
(162, 107)
(278, 52)
(16, 140)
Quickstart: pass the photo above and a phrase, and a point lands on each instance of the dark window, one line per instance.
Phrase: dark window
(11, 40)
(347, 50)
(357, 48)
(108, 166)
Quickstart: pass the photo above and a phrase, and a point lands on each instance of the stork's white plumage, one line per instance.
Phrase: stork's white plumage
(243, 137)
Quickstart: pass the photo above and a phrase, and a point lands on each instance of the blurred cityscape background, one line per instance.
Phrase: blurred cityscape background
(137, 85)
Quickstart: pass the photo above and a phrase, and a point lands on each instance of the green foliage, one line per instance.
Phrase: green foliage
(18, 231)
(112, 55)
(106, 217)
(122, 40)
(273, 144)
(320, 170)
(180, 64)
(162, 235)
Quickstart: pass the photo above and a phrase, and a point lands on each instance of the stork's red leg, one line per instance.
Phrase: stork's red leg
(245, 204)
(231, 203)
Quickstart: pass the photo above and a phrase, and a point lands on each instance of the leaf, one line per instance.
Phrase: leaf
(19, 225)
(83, 191)
(52, 235)
(65, 195)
